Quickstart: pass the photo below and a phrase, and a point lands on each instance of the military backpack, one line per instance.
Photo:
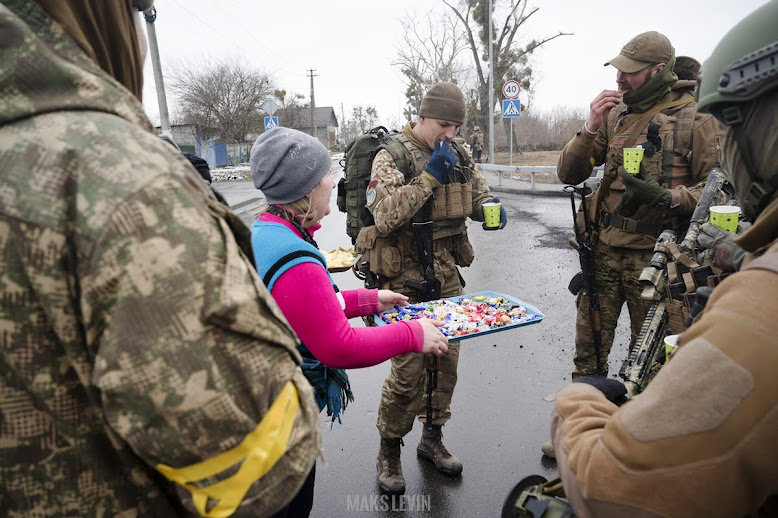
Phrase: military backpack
(357, 164)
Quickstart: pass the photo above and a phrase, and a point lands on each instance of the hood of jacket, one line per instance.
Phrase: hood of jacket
(43, 70)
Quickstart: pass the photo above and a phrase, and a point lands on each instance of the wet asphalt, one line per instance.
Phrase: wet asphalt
(499, 417)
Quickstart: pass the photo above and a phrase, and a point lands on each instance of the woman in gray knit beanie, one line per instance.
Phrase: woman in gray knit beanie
(293, 171)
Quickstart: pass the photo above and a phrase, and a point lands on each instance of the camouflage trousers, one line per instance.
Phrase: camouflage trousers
(617, 271)
(403, 397)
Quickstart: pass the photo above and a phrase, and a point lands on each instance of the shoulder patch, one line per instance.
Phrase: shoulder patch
(370, 194)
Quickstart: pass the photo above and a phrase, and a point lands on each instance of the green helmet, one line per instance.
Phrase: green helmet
(744, 64)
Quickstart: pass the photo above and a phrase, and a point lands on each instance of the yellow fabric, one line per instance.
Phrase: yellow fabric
(258, 453)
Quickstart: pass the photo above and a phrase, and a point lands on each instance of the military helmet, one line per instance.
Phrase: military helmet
(744, 64)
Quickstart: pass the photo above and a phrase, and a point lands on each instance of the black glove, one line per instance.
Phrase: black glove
(442, 161)
(720, 250)
(642, 189)
(613, 390)
(503, 216)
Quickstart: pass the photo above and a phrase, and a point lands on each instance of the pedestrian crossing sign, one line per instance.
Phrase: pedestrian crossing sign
(270, 123)
(511, 108)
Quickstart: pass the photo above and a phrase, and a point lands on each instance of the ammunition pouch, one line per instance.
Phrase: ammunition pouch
(580, 224)
(381, 252)
(462, 251)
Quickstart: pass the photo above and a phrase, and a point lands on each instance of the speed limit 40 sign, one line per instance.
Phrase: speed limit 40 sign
(511, 89)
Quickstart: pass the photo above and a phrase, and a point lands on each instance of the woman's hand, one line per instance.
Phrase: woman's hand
(435, 342)
(387, 299)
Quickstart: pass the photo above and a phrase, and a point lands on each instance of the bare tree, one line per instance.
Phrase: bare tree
(430, 53)
(221, 98)
(293, 106)
(511, 59)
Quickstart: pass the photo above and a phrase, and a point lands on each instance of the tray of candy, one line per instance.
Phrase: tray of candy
(468, 316)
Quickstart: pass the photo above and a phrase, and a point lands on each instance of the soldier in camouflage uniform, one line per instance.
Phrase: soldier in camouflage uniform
(393, 198)
(629, 211)
(477, 144)
(142, 359)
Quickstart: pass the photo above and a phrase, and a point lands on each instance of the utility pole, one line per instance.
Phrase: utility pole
(491, 89)
(313, 106)
(150, 15)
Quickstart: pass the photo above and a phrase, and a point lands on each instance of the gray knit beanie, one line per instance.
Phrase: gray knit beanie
(287, 164)
(444, 101)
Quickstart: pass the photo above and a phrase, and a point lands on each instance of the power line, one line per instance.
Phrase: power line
(282, 58)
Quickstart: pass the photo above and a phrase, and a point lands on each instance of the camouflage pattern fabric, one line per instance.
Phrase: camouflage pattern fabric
(395, 203)
(691, 147)
(404, 394)
(617, 271)
(477, 141)
(135, 331)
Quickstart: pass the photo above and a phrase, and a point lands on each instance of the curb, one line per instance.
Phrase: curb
(245, 203)
(529, 191)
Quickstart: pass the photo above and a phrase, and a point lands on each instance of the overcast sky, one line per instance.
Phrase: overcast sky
(351, 43)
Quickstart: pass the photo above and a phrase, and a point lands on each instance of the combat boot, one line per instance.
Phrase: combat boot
(390, 471)
(431, 447)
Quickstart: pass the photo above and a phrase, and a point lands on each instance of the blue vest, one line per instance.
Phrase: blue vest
(276, 249)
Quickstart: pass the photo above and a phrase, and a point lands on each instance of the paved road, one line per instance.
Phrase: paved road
(499, 417)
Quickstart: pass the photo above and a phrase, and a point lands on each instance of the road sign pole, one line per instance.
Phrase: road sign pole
(511, 148)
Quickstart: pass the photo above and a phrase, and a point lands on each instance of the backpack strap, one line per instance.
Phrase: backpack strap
(287, 259)
(399, 154)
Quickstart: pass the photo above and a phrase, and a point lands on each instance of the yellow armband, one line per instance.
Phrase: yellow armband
(257, 454)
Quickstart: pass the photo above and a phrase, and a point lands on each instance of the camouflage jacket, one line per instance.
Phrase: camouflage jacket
(137, 338)
(691, 147)
(394, 202)
(477, 140)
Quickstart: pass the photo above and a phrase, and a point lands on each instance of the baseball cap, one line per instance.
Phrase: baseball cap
(643, 50)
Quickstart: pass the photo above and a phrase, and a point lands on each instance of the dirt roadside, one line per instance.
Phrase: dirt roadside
(540, 158)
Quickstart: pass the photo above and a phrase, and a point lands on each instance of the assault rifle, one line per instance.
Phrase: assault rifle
(429, 289)
(717, 191)
(639, 367)
(583, 242)
(642, 364)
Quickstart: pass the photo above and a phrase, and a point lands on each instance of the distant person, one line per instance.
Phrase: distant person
(445, 189)
(686, 68)
(202, 167)
(143, 360)
(294, 172)
(628, 212)
(702, 438)
(477, 144)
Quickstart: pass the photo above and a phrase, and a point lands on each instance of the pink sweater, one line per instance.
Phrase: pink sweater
(323, 326)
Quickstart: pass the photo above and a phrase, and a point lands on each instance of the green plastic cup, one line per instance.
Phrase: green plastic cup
(492, 214)
(725, 217)
(671, 344)
(632, 158)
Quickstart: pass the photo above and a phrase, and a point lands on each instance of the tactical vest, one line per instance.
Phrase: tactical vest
(453, 200)
(452, 204)
(671, 166)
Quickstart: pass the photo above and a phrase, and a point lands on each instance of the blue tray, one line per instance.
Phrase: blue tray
(534, 315)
